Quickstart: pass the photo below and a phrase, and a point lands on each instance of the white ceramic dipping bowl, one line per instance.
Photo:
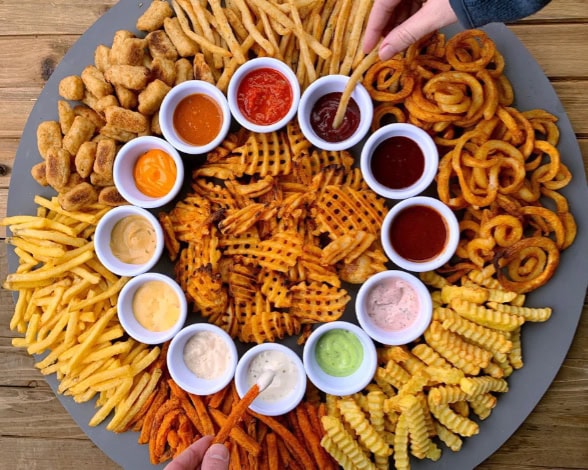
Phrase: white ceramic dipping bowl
(124, 165)
(425, 233)
(386, 336)
(182, 374)
(427, 147)
(274, 407)
(127, 317)
(102, 238)
(334, 84)
(340, 385)
(254, 65)
(171, 101)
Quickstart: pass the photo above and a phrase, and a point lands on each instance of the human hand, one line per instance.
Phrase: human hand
(201, 456)
(403, 22)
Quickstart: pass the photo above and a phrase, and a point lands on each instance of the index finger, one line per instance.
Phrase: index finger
(192, 457)
(377, 22)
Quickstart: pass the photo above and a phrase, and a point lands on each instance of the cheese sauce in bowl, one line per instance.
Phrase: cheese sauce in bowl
(152, 308)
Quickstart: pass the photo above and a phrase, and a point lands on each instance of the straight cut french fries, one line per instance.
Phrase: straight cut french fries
(72, 320)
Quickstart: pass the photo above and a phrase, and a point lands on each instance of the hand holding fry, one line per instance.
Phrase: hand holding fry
(403, 22)
(201, 455)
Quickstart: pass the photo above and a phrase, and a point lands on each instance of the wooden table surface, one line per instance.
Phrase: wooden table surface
(35, 430)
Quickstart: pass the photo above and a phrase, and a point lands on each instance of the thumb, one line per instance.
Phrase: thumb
(433, 15)
(216, 458)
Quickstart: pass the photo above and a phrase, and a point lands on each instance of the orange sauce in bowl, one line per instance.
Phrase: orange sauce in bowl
(155, 173)
(198, 119)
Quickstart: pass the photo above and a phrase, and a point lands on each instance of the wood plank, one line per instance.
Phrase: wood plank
(18, 104)
(551, 426)
(570, 10)
(35, 67)
(49, 454)
(574, 98)
(550, 45)
(24, 20)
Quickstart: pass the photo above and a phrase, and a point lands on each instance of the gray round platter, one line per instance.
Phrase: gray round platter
(544, 345)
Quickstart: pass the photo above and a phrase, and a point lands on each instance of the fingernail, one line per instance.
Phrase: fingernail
(218, 452)
(386, 52)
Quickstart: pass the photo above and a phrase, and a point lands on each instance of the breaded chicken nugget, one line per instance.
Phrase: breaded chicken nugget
(134, 77)
(58, 168)
(105, 155)
(164, 70)
(111, 197)
(48, 136)
(81, 130)
(154, 16)
(126, 98)
(78, 197)
(72, 88)
(102, 57)
(84, 159)
(160, 45)
(126, 119)
(130, 52)
(95, 83)
(39, 173)
(184, 71)
(151, 97)
(66, 115)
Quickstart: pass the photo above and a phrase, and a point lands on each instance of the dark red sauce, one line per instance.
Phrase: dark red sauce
(398, 162)
(323, 113)
(418, 233)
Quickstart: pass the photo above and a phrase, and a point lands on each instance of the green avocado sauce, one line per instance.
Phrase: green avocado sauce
(339, 352)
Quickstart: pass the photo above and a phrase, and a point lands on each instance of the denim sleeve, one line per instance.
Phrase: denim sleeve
(476, 13)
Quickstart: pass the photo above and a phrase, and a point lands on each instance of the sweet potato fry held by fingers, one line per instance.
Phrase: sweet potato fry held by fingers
(236, 414)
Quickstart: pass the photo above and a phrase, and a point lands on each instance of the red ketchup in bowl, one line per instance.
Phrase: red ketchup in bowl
(398, 162)
(323, 113)
(418, 233)
(264, 96)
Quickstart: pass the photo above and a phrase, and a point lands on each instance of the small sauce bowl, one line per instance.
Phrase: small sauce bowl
(148, 233)
(318, 107)
(150, 292)
(195, 117)
(125, 165)
(399, 161)
(420, 234)
(340, 384)
(286, 390)
(403, 311)
(203, 381)
(267, 88)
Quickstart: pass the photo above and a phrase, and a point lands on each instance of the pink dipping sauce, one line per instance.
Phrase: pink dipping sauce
(393, 304)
